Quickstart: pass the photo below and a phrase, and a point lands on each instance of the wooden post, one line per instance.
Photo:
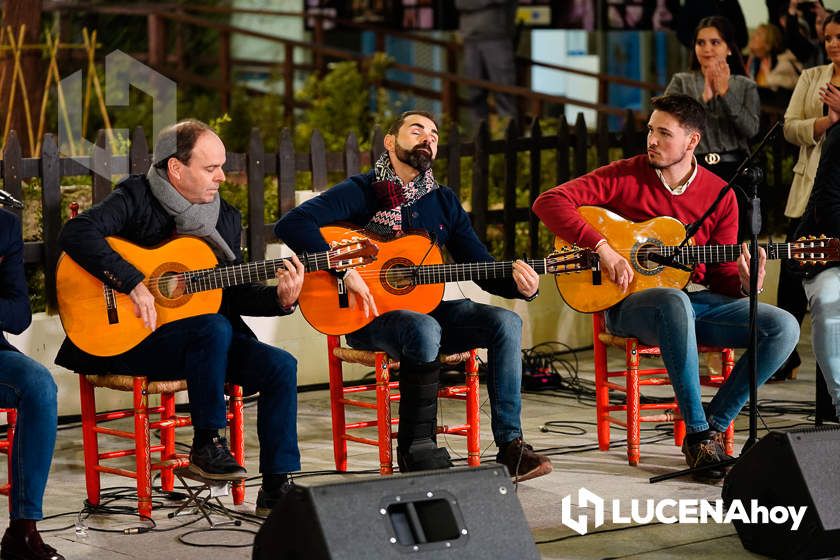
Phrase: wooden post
(318, 161)
(224, 70)
(562, 144)
(289, 84)
(581, 144)
(481, 162)
(157, 40)
(139, 159)
(51, 210)
(534, 190)
(256, 197)
(285, 172)
(352, 159)
(509, 196)
(453, 161)
(377, 144)
(100, 161)
(13, 169)
(602, 138)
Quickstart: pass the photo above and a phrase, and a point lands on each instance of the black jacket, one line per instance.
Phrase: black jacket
(15, 314)
(133, 213)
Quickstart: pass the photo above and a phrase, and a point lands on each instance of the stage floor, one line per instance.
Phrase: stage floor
(607, 474)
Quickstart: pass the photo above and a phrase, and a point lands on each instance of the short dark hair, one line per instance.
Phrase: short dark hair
(832, 17)
(397, 124)
(727, 33)
(688, 111)
(177, 141)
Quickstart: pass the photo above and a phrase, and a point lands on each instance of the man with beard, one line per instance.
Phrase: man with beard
(712, 310)
(400, 193)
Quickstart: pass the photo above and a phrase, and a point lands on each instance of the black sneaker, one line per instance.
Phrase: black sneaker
(706, 452)
(214, 461)
(522, 462)
(267, 499)
(29, 546)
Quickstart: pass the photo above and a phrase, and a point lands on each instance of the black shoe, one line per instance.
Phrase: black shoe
(423, 457)
(27, 546)
(215, 462)
(705, 452)
(522, 462)
(267, 499)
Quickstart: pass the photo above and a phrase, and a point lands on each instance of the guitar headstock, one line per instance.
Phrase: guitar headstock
(568, 259)
(353, 252)
(815, 250)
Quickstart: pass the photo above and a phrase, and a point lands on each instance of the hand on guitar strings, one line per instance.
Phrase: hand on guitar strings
(526, 278)
(357, 286)
(144, 305)
(616, 266)
(289, 281)
(744, 268)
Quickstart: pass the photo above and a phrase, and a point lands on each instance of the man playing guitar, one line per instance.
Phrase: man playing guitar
(400, 194)
(712, 310)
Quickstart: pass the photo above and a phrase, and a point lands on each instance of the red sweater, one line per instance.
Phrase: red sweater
(631, 189)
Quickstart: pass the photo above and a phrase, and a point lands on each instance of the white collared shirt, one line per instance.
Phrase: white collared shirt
(679, 189)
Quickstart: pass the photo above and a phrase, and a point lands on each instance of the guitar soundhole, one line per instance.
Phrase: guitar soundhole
(397, 276)
(641, 263)
(167, 283)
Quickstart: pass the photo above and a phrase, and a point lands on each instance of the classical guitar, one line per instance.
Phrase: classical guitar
(638, 242)
(409, 274)
(185, 280)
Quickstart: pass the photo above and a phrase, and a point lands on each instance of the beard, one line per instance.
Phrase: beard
(419, 157)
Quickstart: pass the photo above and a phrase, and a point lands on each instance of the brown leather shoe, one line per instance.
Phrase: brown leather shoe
(522, 462)
(704, 453)
(26, 546)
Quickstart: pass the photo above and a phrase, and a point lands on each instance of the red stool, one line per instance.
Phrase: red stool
(6, 447)
(142, 448)
(382, 364)
(636, 378)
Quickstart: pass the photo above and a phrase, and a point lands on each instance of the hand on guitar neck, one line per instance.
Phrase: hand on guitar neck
(616, 266)
(526, 278)
(356, 285)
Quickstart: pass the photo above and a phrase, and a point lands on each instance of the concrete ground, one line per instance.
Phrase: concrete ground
(561, 425)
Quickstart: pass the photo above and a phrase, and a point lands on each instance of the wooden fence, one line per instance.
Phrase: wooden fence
(570, 147)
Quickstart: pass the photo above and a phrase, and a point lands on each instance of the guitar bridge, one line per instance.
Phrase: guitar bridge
(343, 296)
(595, 267)
(111, 305)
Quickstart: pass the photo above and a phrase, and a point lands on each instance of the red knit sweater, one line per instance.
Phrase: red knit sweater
(631, 189)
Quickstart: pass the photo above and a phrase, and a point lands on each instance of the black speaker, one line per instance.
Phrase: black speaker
(796, 468)
(463, 513)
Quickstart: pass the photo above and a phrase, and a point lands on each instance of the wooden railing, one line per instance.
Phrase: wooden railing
(570, 150)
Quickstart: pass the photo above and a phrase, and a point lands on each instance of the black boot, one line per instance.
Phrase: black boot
(416, 448)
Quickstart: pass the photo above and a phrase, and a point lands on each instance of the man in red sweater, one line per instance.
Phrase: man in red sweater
(712, 310)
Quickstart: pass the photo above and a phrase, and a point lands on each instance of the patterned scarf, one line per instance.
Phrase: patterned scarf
(392, 195)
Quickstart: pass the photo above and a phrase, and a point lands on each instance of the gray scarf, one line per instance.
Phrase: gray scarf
(191, 219)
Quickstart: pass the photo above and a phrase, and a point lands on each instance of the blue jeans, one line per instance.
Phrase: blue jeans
(206, 351)
(456, 326)
(823, 292)
(28, 387)
(677, 322)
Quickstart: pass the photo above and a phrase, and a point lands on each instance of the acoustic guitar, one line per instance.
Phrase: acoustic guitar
(640, 243)
(184, 277)
(408, 274)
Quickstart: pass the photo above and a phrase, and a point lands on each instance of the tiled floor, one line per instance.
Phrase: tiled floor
(563, 426)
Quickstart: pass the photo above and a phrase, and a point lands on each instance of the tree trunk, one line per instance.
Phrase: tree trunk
(15, 14)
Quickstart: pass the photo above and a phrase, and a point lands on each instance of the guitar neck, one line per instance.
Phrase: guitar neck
(694, 254)
(490, 270)
(258, 271)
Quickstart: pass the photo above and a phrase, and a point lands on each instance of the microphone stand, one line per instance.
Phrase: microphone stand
(754, 214)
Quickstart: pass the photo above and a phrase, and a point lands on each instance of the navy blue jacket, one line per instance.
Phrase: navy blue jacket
(15, 314)
(133, 213)
(439, 213)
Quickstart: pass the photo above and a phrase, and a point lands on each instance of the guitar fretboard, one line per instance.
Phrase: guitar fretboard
(259, 271)
(693, 254)
(440, 273)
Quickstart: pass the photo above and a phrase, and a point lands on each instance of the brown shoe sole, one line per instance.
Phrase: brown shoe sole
(542, 469)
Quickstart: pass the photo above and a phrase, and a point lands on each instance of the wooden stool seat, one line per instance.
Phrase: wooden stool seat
(126, 383)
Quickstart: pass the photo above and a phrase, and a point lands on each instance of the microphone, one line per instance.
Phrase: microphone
(7, 199)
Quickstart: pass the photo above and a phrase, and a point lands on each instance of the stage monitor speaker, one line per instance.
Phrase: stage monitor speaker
(463, 513)
(795, 468)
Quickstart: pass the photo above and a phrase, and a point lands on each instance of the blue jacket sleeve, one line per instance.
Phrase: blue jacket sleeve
(347, 201)
(465, 247)
(15, 314)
